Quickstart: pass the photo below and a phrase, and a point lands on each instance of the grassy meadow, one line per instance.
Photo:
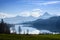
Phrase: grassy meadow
(29, 37)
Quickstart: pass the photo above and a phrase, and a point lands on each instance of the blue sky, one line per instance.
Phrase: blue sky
(18, 6)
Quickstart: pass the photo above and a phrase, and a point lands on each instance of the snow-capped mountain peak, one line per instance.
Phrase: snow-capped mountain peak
(46, 15)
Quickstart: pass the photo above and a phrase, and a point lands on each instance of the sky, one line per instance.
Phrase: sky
(26, 8)
(34, 8)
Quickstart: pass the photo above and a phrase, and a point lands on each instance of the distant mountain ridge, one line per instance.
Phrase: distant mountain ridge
(51, 24)
(44, 22)
(19, 19)
(46, 15)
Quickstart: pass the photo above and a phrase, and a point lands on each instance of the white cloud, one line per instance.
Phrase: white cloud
(6, 15)
(57, 14)
(36, 13)
(45, 31)
(51, 2)
(35, 32)
(47, 3)
(25, 14)
(31, 30)
(37, 10)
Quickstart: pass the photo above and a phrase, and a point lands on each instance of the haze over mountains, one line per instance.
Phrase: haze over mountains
(21, 19)
(46, 15)
(44, 22)
(52, 23)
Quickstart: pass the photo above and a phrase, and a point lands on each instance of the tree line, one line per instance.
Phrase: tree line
(5, 28)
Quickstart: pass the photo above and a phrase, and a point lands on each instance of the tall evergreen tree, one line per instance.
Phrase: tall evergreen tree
(19, 29)
(4, 27)
(27, 31)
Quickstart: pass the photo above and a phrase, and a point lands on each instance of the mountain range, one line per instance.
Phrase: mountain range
(21, 19)
(44, 22)
(46, 15)
(52, 24)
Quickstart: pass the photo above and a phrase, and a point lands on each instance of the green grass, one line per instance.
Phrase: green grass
(28, 37)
